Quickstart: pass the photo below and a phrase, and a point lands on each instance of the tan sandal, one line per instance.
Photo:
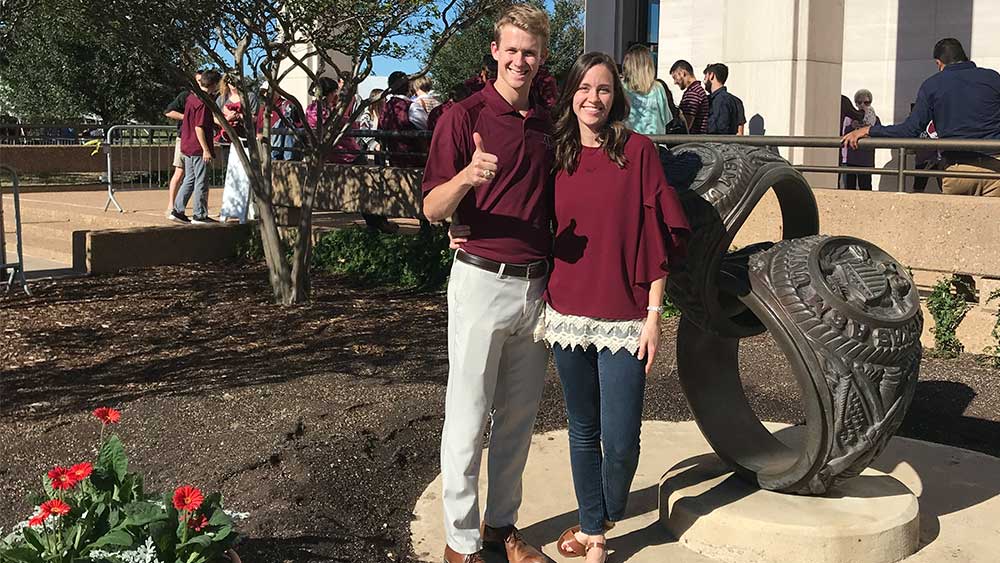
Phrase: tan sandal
(568, 537)
(598, 544)
(575, 549)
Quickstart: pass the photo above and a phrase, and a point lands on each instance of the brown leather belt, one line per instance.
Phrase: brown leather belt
(530, 271)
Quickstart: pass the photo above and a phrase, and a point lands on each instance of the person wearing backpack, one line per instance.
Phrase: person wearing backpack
(396, 117)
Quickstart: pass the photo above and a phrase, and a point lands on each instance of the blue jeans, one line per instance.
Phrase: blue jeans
(195, 182)
(604, 394)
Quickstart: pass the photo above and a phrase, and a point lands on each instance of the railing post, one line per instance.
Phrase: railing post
(3, 239)
(900, 178)
(17, 268)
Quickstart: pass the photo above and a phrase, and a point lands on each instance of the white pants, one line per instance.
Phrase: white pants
(494, 363)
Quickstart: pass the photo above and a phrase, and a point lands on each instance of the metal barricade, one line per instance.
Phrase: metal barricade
(900, 148)
(142, 157)
(16, 268)
(14, 133)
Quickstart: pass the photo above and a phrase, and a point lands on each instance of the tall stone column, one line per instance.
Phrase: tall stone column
(784, 59)
(611, 26)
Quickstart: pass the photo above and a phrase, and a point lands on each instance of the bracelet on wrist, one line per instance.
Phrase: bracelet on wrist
(658, 309)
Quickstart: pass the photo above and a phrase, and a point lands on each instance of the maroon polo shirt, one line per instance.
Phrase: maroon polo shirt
(196, 114)
(509, 216)
(618, 230)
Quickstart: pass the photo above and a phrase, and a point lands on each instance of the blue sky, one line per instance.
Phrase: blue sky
(385, 65)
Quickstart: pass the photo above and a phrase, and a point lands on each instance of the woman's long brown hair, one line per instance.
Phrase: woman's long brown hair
(567, 128)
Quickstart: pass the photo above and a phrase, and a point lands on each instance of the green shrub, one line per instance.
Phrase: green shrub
(251, 249)
(408, 261)
(948, 306)
(669, 309)
(994, 351)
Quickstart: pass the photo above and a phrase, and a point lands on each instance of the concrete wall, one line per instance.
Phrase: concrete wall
(297, 81)
(933, 235)
(109, 251)
(57, 159)
(385, 190)
(784, 58)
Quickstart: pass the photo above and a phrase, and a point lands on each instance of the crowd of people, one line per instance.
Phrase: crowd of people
(706, 107)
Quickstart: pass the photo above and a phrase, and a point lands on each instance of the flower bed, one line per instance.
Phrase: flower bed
(101, 512)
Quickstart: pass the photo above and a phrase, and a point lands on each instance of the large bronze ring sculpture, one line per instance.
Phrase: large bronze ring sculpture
(844, 313)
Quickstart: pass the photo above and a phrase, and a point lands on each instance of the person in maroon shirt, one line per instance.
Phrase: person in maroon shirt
(619, 228)
(396, 117)
(487, 72)
(545, 87)
(197, 150)
(489, 167)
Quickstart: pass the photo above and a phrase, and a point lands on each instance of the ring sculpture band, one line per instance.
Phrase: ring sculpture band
(843, 312)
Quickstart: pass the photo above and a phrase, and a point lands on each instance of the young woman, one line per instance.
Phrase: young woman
(326, 92)
(369, 120)
(648, 98)
(236, 190)
(619, 227)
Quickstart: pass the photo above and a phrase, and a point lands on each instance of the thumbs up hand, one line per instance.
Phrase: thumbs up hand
(483, 167)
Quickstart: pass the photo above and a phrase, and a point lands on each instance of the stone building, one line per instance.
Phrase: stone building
(790, 60)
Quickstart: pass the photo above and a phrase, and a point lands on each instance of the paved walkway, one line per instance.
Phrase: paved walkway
(957, 489)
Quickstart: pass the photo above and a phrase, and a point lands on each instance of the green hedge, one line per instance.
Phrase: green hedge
(418, 261)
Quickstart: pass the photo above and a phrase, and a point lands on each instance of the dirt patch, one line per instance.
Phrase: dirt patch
(322, 421)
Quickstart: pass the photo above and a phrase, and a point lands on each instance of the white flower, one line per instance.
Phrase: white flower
(142, 554)
(236, 516)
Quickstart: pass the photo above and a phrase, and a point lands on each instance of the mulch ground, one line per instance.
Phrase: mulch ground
(322, 421)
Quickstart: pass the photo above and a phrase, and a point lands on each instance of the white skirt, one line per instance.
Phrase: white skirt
(573, 330)
(236, 191)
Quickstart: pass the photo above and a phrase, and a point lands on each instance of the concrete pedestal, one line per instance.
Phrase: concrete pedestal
(958, 490)
(873, 518)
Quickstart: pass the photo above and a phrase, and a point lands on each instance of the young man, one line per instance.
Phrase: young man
(694, 102)
(197, 150)
(489, 166)
(725, 110)
(175, 111)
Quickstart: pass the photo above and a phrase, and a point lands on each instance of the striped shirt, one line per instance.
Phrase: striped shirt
(694, 102)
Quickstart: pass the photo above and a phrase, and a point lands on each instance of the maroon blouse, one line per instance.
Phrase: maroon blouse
(617, 229)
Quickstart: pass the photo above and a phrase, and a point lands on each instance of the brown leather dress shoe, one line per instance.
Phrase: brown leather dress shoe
(452, 556)
(518, 550)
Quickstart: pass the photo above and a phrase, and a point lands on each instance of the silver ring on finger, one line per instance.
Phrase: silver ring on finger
(487, 174)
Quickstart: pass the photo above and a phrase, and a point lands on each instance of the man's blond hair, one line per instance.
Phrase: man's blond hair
(527, 18)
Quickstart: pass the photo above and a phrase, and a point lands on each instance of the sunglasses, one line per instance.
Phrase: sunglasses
(863, 102)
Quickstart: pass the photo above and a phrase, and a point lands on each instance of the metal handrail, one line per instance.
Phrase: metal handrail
(899, 145)
(16, 268)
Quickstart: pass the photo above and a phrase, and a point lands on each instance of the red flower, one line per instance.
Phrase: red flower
(81, 471)
(61, 478)
(108, 415)
(187, 498)
(198, 523)
(38, 519)
(55, 507)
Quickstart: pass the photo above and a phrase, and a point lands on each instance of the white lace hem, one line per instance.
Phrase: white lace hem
(570, 331)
